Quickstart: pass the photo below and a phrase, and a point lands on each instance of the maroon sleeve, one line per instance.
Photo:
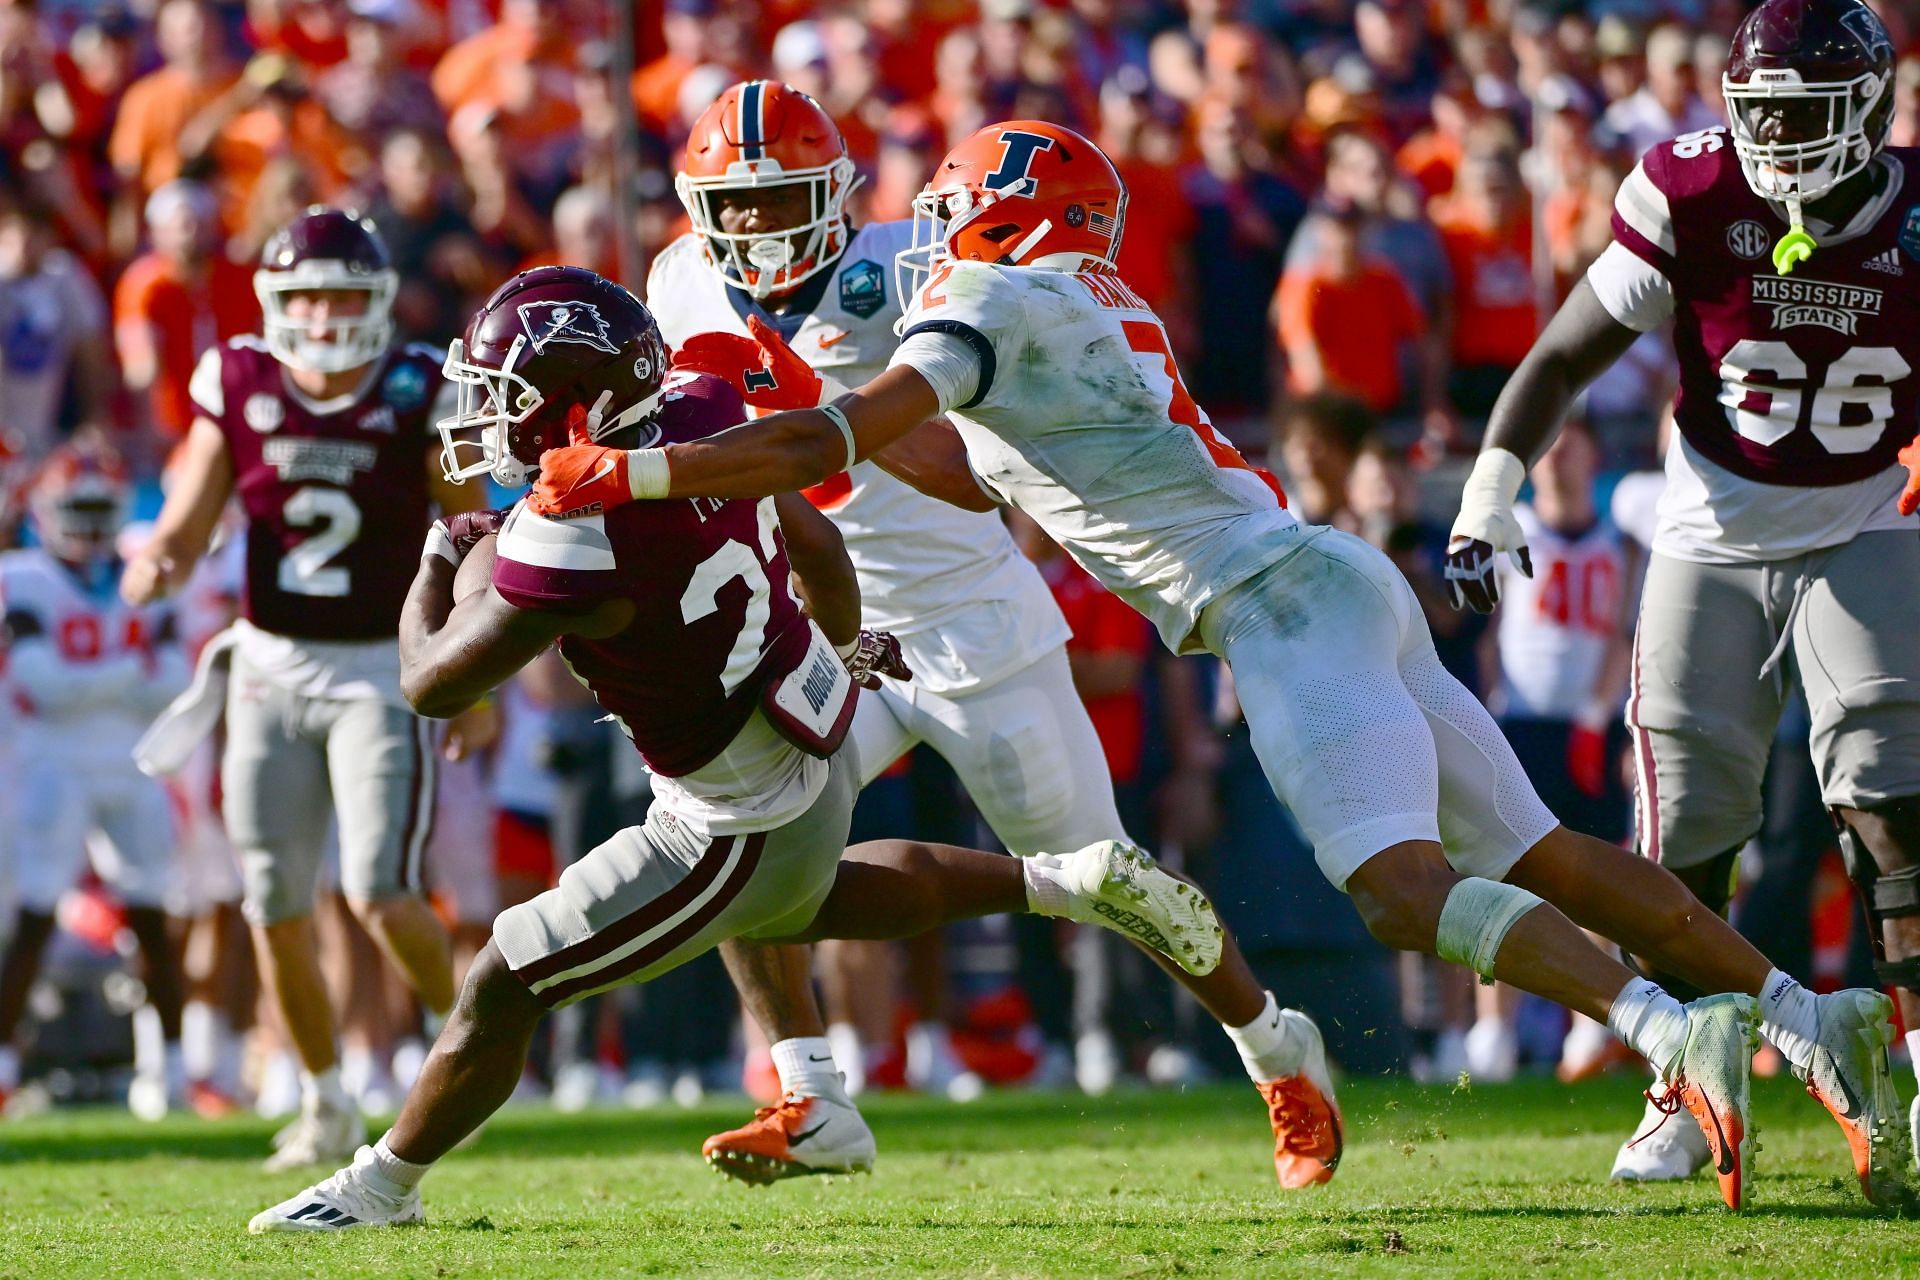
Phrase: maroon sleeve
(557, 566)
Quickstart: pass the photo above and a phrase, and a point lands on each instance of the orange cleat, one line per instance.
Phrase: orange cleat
(1714, 1083)
(208, 1102)
(1308, 1134)
(793, 1138)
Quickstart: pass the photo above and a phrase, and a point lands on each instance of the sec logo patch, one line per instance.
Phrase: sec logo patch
(1747, 238)
(263, 412)
(863, 289)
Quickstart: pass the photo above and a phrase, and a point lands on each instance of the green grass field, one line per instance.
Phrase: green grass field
(1491, 1181)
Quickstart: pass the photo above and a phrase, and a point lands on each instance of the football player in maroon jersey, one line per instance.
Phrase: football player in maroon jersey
(1780, 251)
(321, 427)
(685, 619)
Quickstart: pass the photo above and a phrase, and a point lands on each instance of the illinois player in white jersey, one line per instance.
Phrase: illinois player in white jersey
(1061, 383)
(684, 619)
(86, 673)
(1779, 547)
(765, 182)
(320, 427)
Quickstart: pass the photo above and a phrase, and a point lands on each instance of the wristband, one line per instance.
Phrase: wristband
(837, 416)
(440, 543)
(647, 474)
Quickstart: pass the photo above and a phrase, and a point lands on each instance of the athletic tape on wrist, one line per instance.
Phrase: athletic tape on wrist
(1490, 490)
(839, 419)
(1475, 920)
(647, 474)
(440, 543)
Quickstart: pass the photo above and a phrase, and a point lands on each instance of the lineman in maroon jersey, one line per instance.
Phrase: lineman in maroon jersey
(320, 428)
(1780, 546)
(680, 617)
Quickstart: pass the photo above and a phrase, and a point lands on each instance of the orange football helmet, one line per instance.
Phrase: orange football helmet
(762, 133)
(79, 498)
(1023, 193)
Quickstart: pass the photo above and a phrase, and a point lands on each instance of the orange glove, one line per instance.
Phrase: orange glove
(1910, 496)
(763, 368)
(580, 480)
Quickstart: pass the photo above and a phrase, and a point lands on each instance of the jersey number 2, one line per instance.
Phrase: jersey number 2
(731, 560)
(1149, 339)
(304, 570)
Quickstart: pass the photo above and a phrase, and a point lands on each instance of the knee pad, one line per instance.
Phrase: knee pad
(1884, 895)
(1475, 921)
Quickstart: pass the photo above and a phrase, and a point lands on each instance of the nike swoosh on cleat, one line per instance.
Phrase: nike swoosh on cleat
(1853, 1109)
(1726, 1161)
(803, 1135)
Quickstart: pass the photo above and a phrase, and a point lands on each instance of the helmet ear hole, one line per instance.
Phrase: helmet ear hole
(1004, 232)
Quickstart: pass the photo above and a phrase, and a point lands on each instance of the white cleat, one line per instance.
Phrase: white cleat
(1659, 1151)
(793, 1138)
(147, 1098)
(1119, 886)
(1851, 1077)
(321, 1134)
(1913, 1123)
(1493, 1051)
(353, 1197)
(1096, 1062)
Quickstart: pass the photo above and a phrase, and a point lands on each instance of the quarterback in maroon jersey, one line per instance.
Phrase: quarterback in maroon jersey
(321, 427)
(1785, 250)
(685, 619)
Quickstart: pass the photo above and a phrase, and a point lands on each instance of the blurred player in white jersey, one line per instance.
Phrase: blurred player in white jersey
(88, 672)
(1063, 386)
(765, 181)
(1565, 646)
(1784, 546)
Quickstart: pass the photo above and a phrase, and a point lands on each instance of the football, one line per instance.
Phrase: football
(476, 569)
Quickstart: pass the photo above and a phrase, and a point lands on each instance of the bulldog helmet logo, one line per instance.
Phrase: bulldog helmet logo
(550, 322)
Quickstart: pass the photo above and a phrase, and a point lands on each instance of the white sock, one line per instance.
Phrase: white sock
(9, 1067)
(324, 1088)
(1912, 1038)
(204, 1033)
(850, 1055)
(1268, 1048)
(1048, 893)
(806, 1068)
(405, 1175)
(1651, 1023)
(149, 1043)
(1789, 1018)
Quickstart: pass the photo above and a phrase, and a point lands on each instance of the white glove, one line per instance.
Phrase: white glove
(1485, 527)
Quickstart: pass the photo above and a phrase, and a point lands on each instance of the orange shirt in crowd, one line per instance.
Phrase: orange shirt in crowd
(1495, 317)
(181, 319)
(1102, 623)
(1159, 223)
(656, 92)
(252, 139)
(469, 72)
(1431, 158)
(155, 108)
(1356, 325)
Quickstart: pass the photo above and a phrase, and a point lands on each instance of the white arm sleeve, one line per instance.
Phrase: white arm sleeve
(948, 363)
(1633, 290)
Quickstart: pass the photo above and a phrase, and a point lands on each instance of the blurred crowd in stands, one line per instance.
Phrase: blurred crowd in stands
(1353, 217)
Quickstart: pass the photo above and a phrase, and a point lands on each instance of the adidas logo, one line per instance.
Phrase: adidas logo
(1888, 262)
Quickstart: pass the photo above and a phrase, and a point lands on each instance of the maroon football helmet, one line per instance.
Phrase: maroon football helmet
(557, 356)
(329, 249)
(1809, 90)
